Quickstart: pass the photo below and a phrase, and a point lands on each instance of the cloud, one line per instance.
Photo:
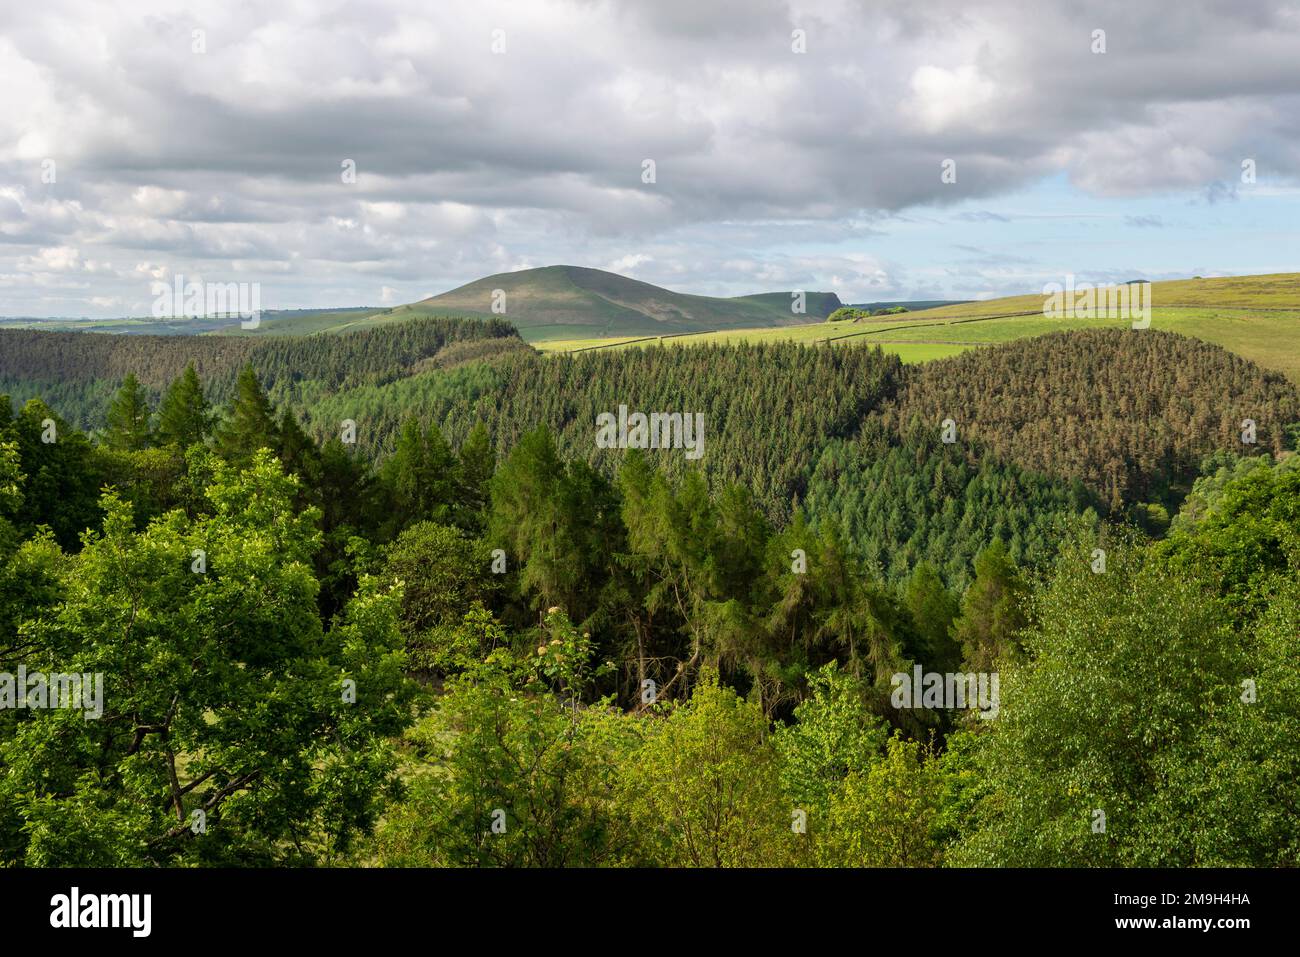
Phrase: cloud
(469, 161)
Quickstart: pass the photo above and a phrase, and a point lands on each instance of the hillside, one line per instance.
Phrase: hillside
(77, 372)
(1085, 423)
(1256, 317)
(558, 302)
(1047, 427)
(1128, 415)
(770, 409)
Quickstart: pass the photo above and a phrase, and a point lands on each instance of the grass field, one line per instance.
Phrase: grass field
(300, 322)
(145, 326)
(1257, 317)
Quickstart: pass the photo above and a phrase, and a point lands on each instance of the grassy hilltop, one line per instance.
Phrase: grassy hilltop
(573, 301)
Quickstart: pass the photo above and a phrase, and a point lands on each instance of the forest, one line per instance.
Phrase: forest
(79, 374)
(379, 599)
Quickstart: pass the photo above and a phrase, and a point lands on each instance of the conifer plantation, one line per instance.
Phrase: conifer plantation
(545, 469)
(465, 635)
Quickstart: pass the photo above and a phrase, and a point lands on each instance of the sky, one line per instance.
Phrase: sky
(794, 146)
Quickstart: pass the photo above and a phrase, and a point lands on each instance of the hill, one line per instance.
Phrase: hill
(1114, 422)
(1111, 423)
(78, 372)
(1130, 415)
(770, 409)
(1256, 317)
(559, 302)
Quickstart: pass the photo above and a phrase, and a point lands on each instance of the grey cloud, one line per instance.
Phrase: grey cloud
(536, 154)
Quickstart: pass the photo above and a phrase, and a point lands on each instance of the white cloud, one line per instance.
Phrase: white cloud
(469, 162)
(943, 98)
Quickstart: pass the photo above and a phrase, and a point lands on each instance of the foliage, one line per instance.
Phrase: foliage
(629, 658)
(442, 572)
(184, 417)
(129, 417)
(1122, 669)
(992, 612)
(512, 772)
(221, 694)
(702, 789)
(1147, 407)
(904, 502)
(886, 817)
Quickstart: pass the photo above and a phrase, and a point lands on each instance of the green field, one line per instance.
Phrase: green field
(809, 334)
(141, 325)
(283, 322)
(572, 309)
(1257, 317)
(302, 322)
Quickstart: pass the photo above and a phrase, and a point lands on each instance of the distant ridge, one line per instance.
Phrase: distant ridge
(911, 305)
(565, 302)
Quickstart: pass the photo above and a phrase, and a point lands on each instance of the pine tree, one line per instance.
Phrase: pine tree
(554, 519)
(992, 615)
(128, 417)
(420, 477)
(476, 463)
(184, 417)
(251, 424)
(295, 448)
(933, 609)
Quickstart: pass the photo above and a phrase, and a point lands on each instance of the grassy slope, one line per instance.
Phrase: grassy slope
(817, 305)
(562, 302)
(547, 303)
(1257, 317)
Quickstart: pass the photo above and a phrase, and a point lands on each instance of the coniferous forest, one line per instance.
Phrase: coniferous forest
(381, 599)
(630, 473)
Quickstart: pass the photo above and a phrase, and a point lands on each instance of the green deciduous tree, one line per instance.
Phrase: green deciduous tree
(1232, 799)
(703, 790)
(1247, 537)
(509, 772)
(834, 734)
(887, 815)
(222, 694)
(1122, 669)
(62, 475)
(444, 573)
